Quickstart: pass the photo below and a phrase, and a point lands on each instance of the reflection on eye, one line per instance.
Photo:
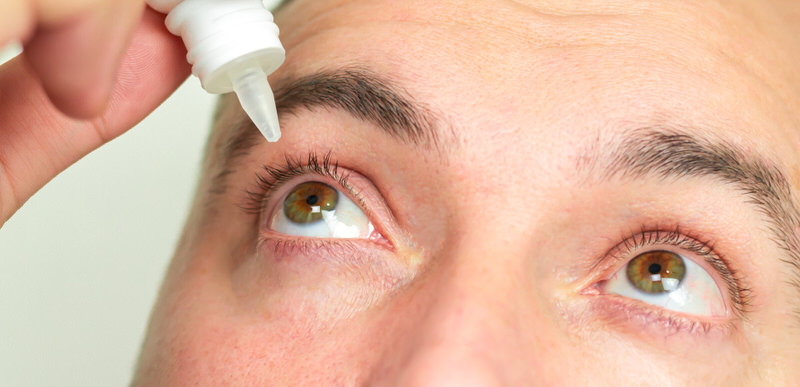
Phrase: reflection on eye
(307, 201)
(666, 279)
(314, 209)
(656, 271)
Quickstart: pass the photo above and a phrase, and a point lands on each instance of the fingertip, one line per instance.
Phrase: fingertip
(77, 61)
(152, 68)
(80, 101)
(17, 20)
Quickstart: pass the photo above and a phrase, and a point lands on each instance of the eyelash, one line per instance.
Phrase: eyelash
(737, 291)
(271, 178)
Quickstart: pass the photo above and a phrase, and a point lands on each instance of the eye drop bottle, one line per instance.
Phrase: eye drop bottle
(232, 46)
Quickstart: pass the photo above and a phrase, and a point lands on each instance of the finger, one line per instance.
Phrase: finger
(37, 141)
(77, 60)
(16, 20)
(19, 17)
(50, 12)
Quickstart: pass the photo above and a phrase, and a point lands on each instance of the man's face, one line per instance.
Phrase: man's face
(500, 193)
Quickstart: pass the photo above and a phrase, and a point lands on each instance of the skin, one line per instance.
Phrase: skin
(487, 284)
(74, 46)
(86, 76)
(492, 281)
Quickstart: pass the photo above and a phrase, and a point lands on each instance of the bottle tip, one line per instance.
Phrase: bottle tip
(270, 131)
(257, 100)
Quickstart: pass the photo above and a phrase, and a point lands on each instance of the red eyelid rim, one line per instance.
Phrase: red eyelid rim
(674, 321)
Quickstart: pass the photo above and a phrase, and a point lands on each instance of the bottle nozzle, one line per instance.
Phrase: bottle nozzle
(257, 100)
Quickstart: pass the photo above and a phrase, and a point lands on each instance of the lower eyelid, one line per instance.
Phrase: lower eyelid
(287, 245)
(283, 245)
(365, 258)
(334, 279)
(639, 318)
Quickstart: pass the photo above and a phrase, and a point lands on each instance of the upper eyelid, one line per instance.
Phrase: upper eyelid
(293, 167)
(270, 178)
(647, 237)
(677, 237)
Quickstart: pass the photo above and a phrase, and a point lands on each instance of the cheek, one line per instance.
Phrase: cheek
(199, 338)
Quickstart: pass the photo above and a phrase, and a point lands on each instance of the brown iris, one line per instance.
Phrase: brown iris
(306, 202)
(656, 271)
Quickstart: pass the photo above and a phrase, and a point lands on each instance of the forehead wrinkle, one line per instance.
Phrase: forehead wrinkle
(533, 25)
(720, 29)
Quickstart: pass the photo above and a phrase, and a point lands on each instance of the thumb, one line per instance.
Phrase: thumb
(37, 141)
(77, 59)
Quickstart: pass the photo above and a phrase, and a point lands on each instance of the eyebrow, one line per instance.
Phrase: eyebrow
(666, 151)
(360, 92)
(669, 153)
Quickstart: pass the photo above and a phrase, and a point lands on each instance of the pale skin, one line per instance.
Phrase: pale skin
(494, 243)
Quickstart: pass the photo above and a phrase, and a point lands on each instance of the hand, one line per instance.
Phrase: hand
(106, 62)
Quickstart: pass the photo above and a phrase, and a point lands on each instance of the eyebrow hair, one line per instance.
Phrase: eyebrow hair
(661, 151)
(357, 91)
(365, 95)
(668, 153)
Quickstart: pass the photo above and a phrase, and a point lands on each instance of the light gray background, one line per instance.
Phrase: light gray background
(81, 262)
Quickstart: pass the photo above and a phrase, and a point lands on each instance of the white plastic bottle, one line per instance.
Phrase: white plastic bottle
(232, 46)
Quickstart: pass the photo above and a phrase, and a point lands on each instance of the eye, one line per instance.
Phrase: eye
(670, 281)
(317, 210)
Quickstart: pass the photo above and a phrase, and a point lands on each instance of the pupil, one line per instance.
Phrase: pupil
(654, 268)
(312, 200)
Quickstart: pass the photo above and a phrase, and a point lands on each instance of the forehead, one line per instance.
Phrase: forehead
(758, 36)
(547, 82)
(522, 66)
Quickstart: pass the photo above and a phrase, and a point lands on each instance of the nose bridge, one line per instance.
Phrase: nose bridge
(474, 292)
(468, 331)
